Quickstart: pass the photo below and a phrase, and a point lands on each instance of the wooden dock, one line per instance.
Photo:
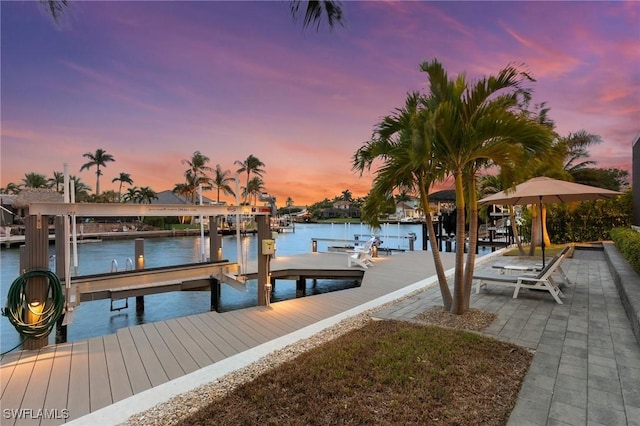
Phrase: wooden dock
(60, 383)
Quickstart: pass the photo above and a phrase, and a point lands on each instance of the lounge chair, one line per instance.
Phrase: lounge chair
(511, 267)
(541, 281)
(361, 256)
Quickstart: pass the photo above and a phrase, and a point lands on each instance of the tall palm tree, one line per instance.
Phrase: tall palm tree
(402, 145)
(196, 174)
(123, 178)
(100, 158)
(346, 195)
(476, 126)
(132, 195)
(35, 180)
(251, 165)
(221, 181)
(81, 190)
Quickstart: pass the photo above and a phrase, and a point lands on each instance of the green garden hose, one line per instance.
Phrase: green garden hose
(47, 312)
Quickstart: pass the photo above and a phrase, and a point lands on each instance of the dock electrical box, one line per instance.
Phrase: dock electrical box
(269, 247)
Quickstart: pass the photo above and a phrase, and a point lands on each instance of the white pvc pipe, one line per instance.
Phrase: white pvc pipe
(74, 232)
(239, 249)
(202, 258)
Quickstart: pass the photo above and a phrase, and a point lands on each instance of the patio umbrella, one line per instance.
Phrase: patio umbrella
(544, 190)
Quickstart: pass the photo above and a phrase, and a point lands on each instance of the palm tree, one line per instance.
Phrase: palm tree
(346, 195)
(289, 204)
(253, 188)
(132, 195)
(477, 126)
(146, 195)
(81, 190)
(314, 11)
(56, 180)
(123, 178)
(401, 143)
(99, 159)
(11, 188)
(196, 175)
(251, 165)
(35, 180)
(221, 180)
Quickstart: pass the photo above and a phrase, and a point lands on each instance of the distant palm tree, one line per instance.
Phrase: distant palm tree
(196, 174)
(99, 159)
(253, 189)
(346, 195)
(35, 180)
(132, 195)
(146, 195)
(221, 180)
(57, 180)
(251, 165)
(123, 178)
(11, 188)
(81, 190)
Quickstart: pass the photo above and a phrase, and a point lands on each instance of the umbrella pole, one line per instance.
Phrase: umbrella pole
(541, 232)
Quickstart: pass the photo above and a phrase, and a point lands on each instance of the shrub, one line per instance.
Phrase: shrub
(628, 242)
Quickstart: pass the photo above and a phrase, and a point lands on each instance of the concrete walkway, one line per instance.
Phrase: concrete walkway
(586, 367)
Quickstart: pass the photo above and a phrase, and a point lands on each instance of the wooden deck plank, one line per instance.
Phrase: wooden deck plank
(201, 339)
(169, 363)
(78, 398)
(244, 320)
(191, 345)
(152, 365)
(212, 336)
(215, 321)
(243, 332)
(99, 388)
(116, 368)
(273, 315)
(177, 348)
(18, 383)
(36, 390)
(58, 389)
(8, 364)
(138, 378)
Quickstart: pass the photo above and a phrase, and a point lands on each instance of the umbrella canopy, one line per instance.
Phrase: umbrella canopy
(544, 190)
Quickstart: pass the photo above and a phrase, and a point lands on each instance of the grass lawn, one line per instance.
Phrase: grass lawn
(385, 373)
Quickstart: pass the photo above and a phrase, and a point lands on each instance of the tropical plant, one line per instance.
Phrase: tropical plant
(11, 188)
(402, 146)
(123, 178)
(196, 176)
(132, 195)
(100, 158)
(57, 181)
(476, 126)
(221, 181)
(146, 195)
(35, 180)
(316, 9)
(80, 189)
(251, 165)
(346, 195)
(253, 189)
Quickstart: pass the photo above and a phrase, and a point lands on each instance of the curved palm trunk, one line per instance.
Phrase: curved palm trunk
(473, 243)
(545, 234)
(435, 250)
(514, 230)
(535, 225)
(457, 306)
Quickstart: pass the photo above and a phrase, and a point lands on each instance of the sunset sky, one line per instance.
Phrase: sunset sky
(152, 82)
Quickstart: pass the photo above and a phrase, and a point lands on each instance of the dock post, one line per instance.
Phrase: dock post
(215, 294)
(215, 240)
(301, 287)
(264, 233)
(36, 257)
(139, 253)
(62, 239)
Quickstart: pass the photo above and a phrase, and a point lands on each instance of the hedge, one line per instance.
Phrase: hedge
(628, 243)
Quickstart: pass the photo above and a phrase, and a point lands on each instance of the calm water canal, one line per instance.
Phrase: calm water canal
(95, 318)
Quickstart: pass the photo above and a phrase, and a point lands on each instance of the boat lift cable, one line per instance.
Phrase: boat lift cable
(46, 312)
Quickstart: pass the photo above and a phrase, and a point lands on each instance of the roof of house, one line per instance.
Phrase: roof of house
(37, 195)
